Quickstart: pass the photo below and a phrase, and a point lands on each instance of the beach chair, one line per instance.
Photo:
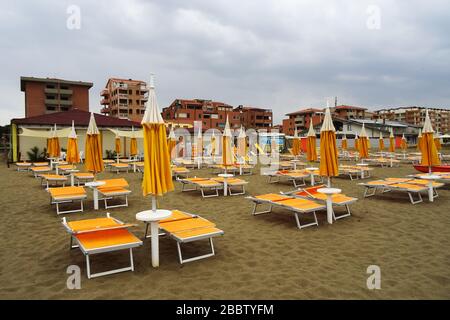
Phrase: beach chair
(296, 176)
(178, 172)
(40, 164)
(336, 199)
(101, 235)
(295, 205)
(233, 184)
(114, 188)
(108, 162)
(83, 177)
(185, 227)
(23, 166)
(202, 184)
(47, 179)
(64, 169)
(139, 166)
(37, 171)
(67, 195)
(118, 167)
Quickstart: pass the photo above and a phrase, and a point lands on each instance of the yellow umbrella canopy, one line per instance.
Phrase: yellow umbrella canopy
(311, 152)
(356, 142)
(419, 141)
(72, 156)
(296, 149)
(363, 143)
(133, 143)
(55, 148)
(227, 147)
(199, 143)
(328, 149)
(344, 144)
(172, 142)
(381, 142)
(437, 142)
(429, 151)
(93, 148)
(157, 173)
(403, 143)
(392, 142)
(213, 144)
(242, 144)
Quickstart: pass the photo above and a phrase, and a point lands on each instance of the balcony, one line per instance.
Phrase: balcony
(65, 91)
(104, 93)
(58, 102)
(51, 90)
(104, 101)
(105, 110)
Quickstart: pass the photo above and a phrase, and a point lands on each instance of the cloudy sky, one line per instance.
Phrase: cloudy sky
(283, 55)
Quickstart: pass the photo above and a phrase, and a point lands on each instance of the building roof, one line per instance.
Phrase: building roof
(52, 80)
(305, 111)
(130, 81)
(81, 118)
(410, 108)
(250, 108)
(344, 107)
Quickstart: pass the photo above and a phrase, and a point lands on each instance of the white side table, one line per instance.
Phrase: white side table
(225, 176)
(311, 172)
(93, 185)
(430, 178)
(153, 217)
(329, 193)
(363, 167)
(295, 161)
(72, 171)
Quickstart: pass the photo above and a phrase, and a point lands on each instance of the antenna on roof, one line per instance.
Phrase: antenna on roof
(335, 101)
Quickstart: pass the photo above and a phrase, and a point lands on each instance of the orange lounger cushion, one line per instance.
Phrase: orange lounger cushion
(272, 197)
(187, 224)
(177, 215)
(92, 224)
(208, 183)
(83, 175)
(424, 182)
(408, 186)
(67, 191)
(195, 179)
(37, 169)
(113, 183)
(106, 238)
(53, 177)
(67, 167)
(302, 204)
(196, 232)
(399, 180)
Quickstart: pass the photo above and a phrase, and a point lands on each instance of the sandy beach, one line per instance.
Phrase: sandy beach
(262, 257)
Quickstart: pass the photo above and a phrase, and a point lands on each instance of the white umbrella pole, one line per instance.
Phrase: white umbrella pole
(154, 229)
(329, 182)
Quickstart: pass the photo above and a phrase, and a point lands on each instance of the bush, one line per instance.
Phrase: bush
(111, 154)
(35, 154)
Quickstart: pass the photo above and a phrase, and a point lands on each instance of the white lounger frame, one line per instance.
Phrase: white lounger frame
(289, 178)
(387, 188)
(196, 186)
(57, 202)
(111, 195)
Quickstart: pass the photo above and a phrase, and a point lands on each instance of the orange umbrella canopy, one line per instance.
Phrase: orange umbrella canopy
(242, 144)
(73, 155)
(227, 147)
(311, 151)
(328, 149)
(437, 142)
(296, 147)
(356, 142)
(117, 145)
(172, 142)
(93, 148)
(419, 141)
(403, 143)
(391, 142)
(429, 151)
(363, 144)
(55, 150)
(344, 144)
(381, 142)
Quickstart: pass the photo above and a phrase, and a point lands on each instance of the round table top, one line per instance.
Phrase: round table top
(295, 160)
(153, 216)
(430, 177)
(362, 164)
(94, 184)
(329, 190)
(225, 175)
(311, 169)
(72, 170)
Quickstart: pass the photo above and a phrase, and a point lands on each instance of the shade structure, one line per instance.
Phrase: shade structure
(429, 151)
(93, 148)
(133, 144)
(363, 144)
(296, 144)
(227, 146)
(242, 144)
(172, 142)
(344, 144)
(381, 142)
(328, 149)
(55, 148)
(311, 152)
(392, 142)
(356, 142)
(72, 155)
(403, 143)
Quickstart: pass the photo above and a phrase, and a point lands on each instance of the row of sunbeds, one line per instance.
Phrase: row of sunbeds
(209, 187)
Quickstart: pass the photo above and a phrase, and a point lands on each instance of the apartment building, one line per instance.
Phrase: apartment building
(301, 120)
(49, 95)
(349, 112)
(440, 118)
(212, 114)
(124, 98)
(255, 118)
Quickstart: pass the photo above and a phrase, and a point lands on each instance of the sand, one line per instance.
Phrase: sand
(263, 257)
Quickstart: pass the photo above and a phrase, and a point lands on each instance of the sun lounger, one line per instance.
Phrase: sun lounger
(119, 167)
(83, 177)
(66, 195)
(40, 170)
(202, 184)
(47, 179)
(296, 205)
(108, 162)
(337, 199)
(178, 172)
(295, 176)
(185, 227)
(40, 164)
(139, 166)
(23, 166)
(63, 169)
(114, 188)
(234, 184)
(100, 235)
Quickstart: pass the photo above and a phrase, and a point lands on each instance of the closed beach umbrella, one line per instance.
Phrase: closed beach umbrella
(157, 172)
(227, 153)
(403, 143)
(73, 155)
(117, 145)
(93, 148)
(429, 150)
(392, 142)
(199, 143)
(242, 144)
(49, 145)
(381, 142)
(328, 149)
(363, 143)
(311, 152)
(356, 142)
(437, 142)
(296, 148)
(344, 144)
(133, 144)
(56, 150)
(214, 147)
(172, 142)
(419, 141)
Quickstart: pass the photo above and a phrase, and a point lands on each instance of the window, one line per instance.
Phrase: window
(137, 92)
(349, 127)
(130, 91)
(199, 116)
(130, 111)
